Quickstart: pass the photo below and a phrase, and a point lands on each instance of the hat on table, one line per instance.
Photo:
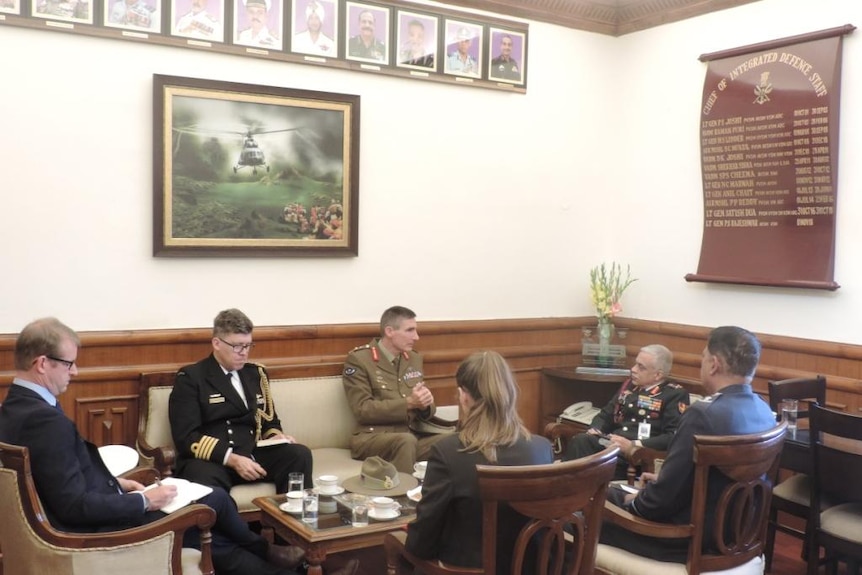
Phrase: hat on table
(379, 477)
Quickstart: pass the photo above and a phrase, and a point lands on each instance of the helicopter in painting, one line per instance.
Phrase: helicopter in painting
(251, 155)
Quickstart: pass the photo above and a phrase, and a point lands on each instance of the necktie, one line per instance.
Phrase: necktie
(237, 385)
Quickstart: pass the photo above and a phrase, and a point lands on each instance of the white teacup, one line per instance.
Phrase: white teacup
(419, 467)
(327, 483)
(294, 501)
(384, 504)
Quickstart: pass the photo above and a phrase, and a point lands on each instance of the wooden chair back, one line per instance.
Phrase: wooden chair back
(49, 540)
(750, 463)
(836, 443)
(804, 389)
(558, 502)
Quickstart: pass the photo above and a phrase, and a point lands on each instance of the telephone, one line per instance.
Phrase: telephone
(581, 412)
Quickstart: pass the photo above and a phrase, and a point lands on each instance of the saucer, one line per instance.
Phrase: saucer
(287, 508)
(419, 476)
(383, 515)
(338, 490)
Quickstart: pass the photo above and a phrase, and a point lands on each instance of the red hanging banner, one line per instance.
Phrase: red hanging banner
(769, 158)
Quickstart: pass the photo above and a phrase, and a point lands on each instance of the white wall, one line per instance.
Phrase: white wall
(473, 203)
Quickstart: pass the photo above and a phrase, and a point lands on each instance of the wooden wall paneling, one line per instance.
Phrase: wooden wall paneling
(529, 400)
(108, 420)
(111, 362)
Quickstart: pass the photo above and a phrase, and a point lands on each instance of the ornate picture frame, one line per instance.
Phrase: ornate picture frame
(253, 170)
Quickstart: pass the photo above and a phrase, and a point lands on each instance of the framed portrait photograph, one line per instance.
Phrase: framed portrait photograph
(463, 49)
(252, 170)
(508, 56)
(258, 24)
(80, 11)
(198, 19)
(366, 33)
(315, 28)
(417, 41)
(138, 15)
(10, 6)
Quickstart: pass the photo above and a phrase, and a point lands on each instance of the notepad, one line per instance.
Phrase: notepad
(273, 441)
(187, 492)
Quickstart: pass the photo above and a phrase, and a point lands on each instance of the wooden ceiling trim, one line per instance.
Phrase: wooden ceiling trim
(651, 13)
(610, 17)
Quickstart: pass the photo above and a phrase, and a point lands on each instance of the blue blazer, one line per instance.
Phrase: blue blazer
(77, 490)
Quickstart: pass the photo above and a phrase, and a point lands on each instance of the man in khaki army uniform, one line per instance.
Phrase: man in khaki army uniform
(644, 413)
(386, 390)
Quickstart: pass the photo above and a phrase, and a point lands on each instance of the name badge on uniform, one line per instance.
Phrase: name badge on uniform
(216, 398)
(643, 430)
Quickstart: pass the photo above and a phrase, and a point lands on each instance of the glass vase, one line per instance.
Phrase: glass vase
(605, 331)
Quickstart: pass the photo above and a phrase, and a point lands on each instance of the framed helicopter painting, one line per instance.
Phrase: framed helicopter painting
(253, 170)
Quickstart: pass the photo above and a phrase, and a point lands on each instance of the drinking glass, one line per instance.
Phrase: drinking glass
(309, 506)
(360, 510)
(295, 482)
(789, 412)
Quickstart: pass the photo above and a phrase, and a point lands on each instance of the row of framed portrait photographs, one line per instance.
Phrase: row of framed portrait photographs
(374, 35)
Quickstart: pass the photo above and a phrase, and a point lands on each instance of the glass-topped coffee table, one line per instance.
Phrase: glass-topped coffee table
(333, 532)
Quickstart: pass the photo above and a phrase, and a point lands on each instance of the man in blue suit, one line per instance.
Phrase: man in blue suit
(78, 492)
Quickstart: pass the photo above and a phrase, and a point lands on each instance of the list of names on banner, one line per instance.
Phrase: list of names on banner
(767, 170)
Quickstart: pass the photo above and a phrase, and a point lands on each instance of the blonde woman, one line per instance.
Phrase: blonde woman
(448, 525)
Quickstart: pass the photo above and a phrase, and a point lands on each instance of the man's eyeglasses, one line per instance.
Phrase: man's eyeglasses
(238, 347)
(65, 362)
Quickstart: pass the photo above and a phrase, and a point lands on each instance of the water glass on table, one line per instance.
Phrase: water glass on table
(295, 482)
(789, 413)
(309, 506)
(359, 516)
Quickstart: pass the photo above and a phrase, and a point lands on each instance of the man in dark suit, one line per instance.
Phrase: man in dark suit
(77, 490)
(726, 370)
(221, 407)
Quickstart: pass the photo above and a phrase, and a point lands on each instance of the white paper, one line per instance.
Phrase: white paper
(187, 491)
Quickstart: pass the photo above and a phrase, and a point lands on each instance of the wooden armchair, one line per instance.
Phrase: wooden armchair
(31, 546)
(551, 497)
(836, 443)
(792, 495)
(559, 433)
(741, 513)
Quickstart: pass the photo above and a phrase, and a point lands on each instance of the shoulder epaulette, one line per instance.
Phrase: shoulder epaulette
(361, 347)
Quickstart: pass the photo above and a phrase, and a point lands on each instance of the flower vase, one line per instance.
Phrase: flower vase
(605, 332)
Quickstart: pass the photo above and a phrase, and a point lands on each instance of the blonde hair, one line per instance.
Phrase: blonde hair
(42, 337)
(493, 420)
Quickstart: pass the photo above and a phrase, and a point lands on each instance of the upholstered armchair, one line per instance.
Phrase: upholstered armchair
(31, 546)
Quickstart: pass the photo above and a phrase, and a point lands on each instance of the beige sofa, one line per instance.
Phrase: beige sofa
(314, 410)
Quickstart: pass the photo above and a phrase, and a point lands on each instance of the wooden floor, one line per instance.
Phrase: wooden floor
(786, 561)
